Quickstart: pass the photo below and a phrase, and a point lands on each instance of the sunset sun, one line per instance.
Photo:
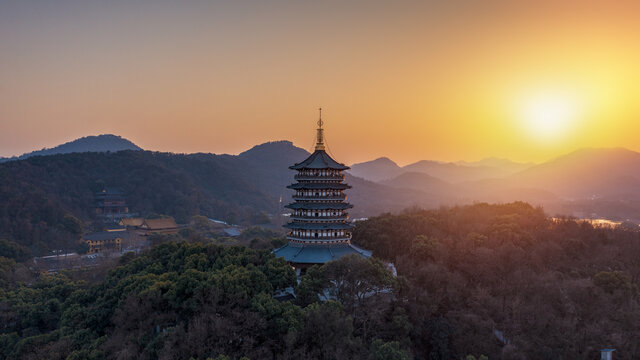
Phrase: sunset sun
(548, 115)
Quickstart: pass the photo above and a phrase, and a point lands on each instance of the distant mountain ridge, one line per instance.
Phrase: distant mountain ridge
(383, 169)
(98, 143)
(376, 170)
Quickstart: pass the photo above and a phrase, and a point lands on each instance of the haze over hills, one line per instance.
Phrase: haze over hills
(99, 143)
(584, 183)
(237, 188)
(454, 172)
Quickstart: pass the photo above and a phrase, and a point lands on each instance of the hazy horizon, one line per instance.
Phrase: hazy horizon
(337, 156)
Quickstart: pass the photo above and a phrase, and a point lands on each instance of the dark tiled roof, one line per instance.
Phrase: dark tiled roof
(336, 186)
(106, 235)
(319, 226)
(317, 254)
(319, 160)
(319, 206)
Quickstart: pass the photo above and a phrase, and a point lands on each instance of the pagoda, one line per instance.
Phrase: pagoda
(319, 230)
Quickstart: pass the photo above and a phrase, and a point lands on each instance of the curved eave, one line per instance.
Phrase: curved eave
(317, 254)
(319, 206)
(317, 161)
(318, 226)
(319, 186)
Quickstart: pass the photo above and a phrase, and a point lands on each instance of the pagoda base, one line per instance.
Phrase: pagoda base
(306, 255)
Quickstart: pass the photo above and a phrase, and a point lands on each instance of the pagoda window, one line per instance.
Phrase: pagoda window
(316, 214)
(316, 234)
(335, 234)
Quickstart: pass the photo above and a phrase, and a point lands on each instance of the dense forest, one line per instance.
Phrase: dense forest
(185, 300)
(43, 198)
(511, 283)
(474, 282)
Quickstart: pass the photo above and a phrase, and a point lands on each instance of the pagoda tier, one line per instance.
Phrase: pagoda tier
(320, 229)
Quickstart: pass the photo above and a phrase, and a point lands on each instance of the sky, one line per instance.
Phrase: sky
(410, 80)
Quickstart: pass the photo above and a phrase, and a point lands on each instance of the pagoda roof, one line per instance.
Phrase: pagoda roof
(319, 226)
(327, 185)
(318, 254)
(319, 205)
(319, 160)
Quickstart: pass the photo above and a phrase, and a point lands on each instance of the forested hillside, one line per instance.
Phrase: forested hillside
(551, 289)
(184, 301)
(502, 281)
(40, 195)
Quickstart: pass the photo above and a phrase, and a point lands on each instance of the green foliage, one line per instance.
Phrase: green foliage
(387, 351)
(12, 250)
(311, 284)
(201, 223)
(611, 281)
(72, 225)
(423, 247)
(82, 247)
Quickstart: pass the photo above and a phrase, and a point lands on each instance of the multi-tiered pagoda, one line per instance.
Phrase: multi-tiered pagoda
(320, 230)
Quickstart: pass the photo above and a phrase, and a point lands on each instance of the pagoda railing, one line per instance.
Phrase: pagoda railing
(319, 217)
(320, 197)
(313, 177)
(311, 239)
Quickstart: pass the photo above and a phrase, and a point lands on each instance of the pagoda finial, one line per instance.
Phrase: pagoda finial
(320, 134)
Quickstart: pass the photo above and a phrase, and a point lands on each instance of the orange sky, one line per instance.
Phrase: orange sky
(408, 80)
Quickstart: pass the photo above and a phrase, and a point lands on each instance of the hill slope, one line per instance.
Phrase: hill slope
(588, 173)
(376, 170)
(99, 143)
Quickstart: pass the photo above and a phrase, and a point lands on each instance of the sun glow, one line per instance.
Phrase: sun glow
(549, 115)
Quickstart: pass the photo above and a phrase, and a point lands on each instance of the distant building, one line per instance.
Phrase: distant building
(131, 222)
(110, 204)
(232, 231)
(160, 226)
(105, 241)
(320, 230)
(606, 354)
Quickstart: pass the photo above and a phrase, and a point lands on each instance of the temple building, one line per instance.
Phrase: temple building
(319, 230)
(110, 204)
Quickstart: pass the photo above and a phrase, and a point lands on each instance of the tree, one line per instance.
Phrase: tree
(423, 247)
(387, 351)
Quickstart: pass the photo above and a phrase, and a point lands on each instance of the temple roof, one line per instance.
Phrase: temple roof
(319, 205)
(319, 160)
(336, 186)
(319, 226)
(317, 254)
(106, 235)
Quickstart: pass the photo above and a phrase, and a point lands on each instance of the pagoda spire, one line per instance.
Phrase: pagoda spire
(320, 132)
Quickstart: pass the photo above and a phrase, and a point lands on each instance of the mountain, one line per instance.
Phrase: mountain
(420, 181)
(455, 173)
(587, 173)
(376, 170)
(383, 169)
(504, 164)
(99, 143)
